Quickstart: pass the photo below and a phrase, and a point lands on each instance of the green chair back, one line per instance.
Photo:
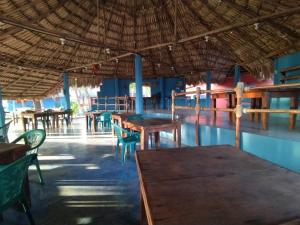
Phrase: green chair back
(106, 116)
(118, 131)
(12, 179)
(33, 138)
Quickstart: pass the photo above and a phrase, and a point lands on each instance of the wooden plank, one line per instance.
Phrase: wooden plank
(215, 185)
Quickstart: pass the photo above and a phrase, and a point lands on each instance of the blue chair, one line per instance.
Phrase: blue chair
(105, 120)
(12, 178)
(130, 140)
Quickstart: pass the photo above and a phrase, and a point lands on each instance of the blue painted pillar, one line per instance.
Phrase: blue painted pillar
(162, 92)
(138, 84)
(117, 93)
(208, 87)
(237, 74)
(276, 79)
(67, 90)
(2, 113)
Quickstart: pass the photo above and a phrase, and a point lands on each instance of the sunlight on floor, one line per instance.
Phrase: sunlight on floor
(76, 190)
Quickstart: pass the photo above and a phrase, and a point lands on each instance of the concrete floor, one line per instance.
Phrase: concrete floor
(85, 184)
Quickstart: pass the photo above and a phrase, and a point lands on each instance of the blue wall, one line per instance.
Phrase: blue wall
(279, 64)
(111, 87)
(285, 62)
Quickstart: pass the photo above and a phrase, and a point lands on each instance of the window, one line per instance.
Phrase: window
(146, 90)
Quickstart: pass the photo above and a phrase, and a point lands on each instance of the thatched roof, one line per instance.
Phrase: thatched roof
(98, 38)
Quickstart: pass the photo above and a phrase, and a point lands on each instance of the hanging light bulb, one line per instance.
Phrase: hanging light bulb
(170, 47)
(62, 41)
(256, 26)
(107, 50)
(206, 38)
(158, 65)
(117, 60)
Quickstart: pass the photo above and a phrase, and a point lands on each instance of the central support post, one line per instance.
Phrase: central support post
(138, 84)
(208, 87)
(67, 90)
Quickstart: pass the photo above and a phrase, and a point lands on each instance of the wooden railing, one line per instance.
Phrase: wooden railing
(238, 110)
(118, 103)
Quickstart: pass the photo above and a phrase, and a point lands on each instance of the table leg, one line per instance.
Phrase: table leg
(157, 139)
(35, 123)
(53, 121)
(57, 120)
(293, 105)
(87, 121)
(230, 107)
(24, 123)
(265, 116)
(258, 105)
(214, 105)
(95, 123)
(178, 134)
(144, 139)
(253, 103)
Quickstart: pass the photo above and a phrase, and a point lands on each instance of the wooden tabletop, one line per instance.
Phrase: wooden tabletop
(215, 185)
(151, 122)
(11, 152)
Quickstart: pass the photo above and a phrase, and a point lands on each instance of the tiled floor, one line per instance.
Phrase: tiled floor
(85, 184)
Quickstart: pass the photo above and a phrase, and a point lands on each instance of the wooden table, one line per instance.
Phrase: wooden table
(120, 118)
(261, 99)
(155, 125)
(10, 153)
(93, 116)
(215, 185)
(35, 115)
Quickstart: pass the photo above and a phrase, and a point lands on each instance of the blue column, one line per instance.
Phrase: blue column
(138, 84)
(276, 79)
(162, 92)
(2, 113)
(67, 90)
(208, 87)
(117, 93)
(237, 74)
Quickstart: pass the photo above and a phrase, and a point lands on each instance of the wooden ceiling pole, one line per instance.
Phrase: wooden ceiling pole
(208, 33)
(34, 28)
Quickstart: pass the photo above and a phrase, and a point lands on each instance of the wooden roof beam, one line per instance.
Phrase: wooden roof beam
(212, 32)
(84, 41)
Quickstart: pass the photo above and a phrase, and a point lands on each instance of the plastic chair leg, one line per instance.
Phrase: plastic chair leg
(37, 164)
(28, 213)
(117, 149)
(124, 147)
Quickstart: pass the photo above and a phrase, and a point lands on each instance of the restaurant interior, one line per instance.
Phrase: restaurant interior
(158, 112)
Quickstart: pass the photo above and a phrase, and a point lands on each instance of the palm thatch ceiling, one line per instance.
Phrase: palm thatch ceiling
(39, 39)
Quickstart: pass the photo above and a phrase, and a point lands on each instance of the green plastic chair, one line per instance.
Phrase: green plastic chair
(130, 140)
(34, 139)
(3, 132)
(12, 178)
(105, 120)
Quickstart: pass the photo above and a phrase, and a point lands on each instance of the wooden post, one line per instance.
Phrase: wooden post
(126, 103)
(173, 105)
(292, 118)
(238, 113)
(105, 103)
(197, 109)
